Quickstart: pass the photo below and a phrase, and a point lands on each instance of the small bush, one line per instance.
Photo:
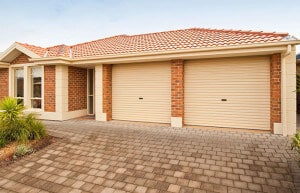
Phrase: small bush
(35, 127)
(296, 142)
(22, 150)
(15, 132)
(3, 142)
(16, 126)
(12, 110)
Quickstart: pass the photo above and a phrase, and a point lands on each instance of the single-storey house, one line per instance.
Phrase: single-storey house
(205, 77)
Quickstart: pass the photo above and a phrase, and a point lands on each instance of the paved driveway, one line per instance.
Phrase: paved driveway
(131, 157)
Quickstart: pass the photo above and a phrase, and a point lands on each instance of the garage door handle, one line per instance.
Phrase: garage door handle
(141, 98)
(223, 99)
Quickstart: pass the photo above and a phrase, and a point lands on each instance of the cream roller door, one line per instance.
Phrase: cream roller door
(231, 92)
(141, 92)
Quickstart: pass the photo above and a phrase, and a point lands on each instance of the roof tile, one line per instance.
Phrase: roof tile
(160, 41)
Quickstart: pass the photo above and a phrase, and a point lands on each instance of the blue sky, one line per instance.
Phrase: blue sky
(52, 22)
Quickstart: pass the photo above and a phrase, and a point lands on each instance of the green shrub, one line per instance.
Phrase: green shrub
(22, 150)
(12, 110)
(35, 127)
(15, 131)
(296, 142)
(3, 142)
(15, 125)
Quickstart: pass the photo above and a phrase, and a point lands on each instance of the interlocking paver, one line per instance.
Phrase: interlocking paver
(174, 188)
(121, 157)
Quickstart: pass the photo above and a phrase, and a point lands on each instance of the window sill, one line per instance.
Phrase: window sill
(35, 111)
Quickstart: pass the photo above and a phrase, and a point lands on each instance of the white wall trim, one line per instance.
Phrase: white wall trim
(59, 116)
(176, 122)
(74, 114)
(288, 94)
(283, 97)
(99, 115)
(10, 82)
(61, 89)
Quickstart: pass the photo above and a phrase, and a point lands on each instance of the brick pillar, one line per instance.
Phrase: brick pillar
(77, 88)
(49, 85)
(177, 93)
(275, 89)
(3, 83)
(107, 90)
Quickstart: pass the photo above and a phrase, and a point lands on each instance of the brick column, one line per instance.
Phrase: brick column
(77, 88)
(177, 93)
(275, 89)
(49, 85)
(107, 90)
(3, 83)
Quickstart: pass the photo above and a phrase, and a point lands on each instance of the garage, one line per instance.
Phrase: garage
(141, 92)
(228, 92)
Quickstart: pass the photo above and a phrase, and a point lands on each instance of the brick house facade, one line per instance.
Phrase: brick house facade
(3, 83)
(77, 88)
(65, 78)
(49, 87)
(275, 82)
(177, 89)
(107, 91)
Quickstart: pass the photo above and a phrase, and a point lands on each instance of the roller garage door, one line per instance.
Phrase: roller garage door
(141, 92)
(231, 92)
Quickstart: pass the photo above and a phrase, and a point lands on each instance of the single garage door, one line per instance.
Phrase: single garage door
(231, 92)
(141, 92)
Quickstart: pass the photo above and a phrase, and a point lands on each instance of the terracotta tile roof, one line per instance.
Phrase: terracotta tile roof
(60, 50)
(36, 49)
(160, 41)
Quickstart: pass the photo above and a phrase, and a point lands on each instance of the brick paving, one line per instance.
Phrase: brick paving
(144, 158)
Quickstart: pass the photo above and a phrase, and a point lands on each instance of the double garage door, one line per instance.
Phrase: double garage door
(231, 92)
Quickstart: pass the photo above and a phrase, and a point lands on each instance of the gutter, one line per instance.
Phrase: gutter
(262, 48)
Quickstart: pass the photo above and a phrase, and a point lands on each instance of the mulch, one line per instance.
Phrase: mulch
(6, 153)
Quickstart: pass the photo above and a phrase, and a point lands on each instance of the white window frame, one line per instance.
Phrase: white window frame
(15, 86)
(88, 94)
(30, 87)
(27, 84)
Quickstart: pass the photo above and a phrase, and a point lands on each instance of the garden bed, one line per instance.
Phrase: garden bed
(7, 153)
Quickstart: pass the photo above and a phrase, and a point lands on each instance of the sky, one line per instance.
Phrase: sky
(52, 22)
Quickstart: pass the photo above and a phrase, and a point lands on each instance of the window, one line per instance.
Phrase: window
(19, 85)
(36, 87)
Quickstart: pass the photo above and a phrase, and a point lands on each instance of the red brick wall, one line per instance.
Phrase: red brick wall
(3, 82)
(177, 89)
(275, 83)
(49, 86)
(77, 88)
(21, 59)
(107, 90)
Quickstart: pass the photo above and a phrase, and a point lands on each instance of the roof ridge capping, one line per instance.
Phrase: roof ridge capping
(289, 38)
(239, 31)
